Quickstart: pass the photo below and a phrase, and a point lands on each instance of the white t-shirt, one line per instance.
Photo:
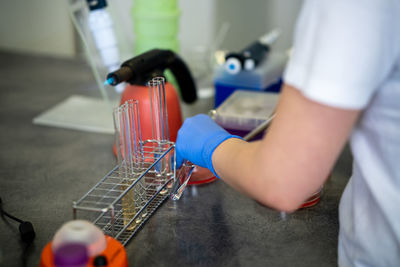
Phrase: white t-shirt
(347, 55)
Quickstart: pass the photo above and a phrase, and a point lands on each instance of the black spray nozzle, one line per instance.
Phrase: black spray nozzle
(123, 74)
(140, 69)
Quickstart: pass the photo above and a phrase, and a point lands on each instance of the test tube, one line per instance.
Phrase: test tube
(118, 136)
(137, 156)
(160, 130)
(134, 132)
(158, 109)
(128, 137)
(130, 157)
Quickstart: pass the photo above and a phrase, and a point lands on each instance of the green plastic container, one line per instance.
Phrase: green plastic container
(156, 25)
(160, 25)
(155, 6)
(143, 44)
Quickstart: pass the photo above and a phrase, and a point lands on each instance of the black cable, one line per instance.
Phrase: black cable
(26, 253)
(25, 228)
(26, 231)
(10, 216)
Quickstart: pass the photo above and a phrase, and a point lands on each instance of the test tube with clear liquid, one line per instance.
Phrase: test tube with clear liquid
(160, 130)
(130, 159)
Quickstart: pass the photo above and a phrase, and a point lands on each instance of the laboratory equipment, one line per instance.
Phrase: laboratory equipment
(202, 175)
(312, 200)
(114, 253)
(130, 151)
(79, 243)
(251, 56)
(158, 109)
(146, 174)
(128, 135)
(244, 111)
(259, 129)
(255, 68)
(71, 255)
(83, 232)
(138, 70)
(101, 27)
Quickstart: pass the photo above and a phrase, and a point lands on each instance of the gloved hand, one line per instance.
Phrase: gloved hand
(197, 139)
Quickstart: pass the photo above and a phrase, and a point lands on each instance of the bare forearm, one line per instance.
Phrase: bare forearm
(235, 161)
(295, 157)
(246, 168)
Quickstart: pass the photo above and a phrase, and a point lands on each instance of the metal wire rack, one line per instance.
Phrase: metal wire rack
(124, 199)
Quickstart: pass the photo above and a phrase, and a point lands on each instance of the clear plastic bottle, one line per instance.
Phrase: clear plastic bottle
(102, 29)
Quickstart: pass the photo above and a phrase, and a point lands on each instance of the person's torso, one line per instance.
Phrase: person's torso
(370, 205)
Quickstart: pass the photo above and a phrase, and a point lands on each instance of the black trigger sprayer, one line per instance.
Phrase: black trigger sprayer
(140, 69)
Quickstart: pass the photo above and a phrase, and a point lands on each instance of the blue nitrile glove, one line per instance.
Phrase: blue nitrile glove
(197, 139)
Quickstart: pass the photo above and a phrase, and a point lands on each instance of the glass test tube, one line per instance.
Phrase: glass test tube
(139, 190)
(158, 109)
(130, 158)
(128, 136)
(160, 130)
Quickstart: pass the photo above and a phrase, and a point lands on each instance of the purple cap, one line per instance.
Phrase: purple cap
(71, 255)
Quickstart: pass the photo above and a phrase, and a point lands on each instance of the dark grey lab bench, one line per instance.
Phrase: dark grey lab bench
(43, 169)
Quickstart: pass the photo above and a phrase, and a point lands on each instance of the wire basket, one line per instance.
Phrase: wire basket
(123, 200)
(145, 176)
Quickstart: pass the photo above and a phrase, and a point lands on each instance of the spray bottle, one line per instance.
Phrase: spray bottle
(101, 27)
(138, 70)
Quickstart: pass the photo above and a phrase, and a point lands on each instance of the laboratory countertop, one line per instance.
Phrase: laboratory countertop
(44, 169)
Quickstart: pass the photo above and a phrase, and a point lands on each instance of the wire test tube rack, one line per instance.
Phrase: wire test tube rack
(145, 176)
